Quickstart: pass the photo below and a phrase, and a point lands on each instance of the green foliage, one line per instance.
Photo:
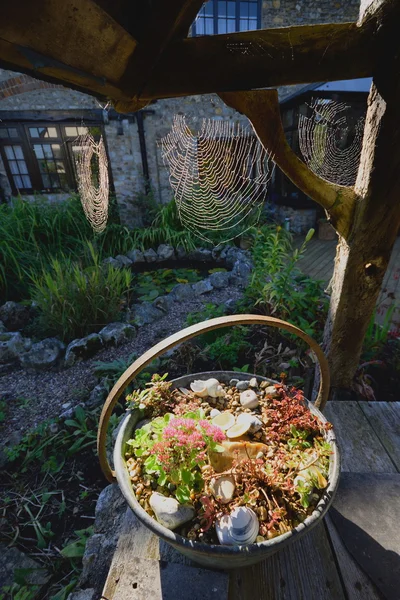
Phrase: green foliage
(152, 284)
(74, 301)
(209, 311)
(278, 286)
(377, 335)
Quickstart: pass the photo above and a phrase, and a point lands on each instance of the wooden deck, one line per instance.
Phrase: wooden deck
(362, 528)
(318, 263)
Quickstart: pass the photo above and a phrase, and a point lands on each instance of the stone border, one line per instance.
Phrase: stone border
(51, 353)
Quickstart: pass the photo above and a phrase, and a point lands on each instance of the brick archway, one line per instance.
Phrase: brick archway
(22, 84)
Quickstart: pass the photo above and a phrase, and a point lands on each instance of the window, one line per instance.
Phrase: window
(227, 16)
(40, 157)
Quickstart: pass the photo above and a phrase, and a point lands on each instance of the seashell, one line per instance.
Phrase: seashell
(221, 461)
(211, 387)
(249, 399)
(253, 383)
(242, 385)
(238, 430)
(239, 528)
(255, 424)
(224, 420)
(169, 512)
(184, 391)
(260, 455)
(223, 488)
(214, 412)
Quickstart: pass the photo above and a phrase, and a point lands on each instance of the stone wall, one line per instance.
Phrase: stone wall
(283, 13)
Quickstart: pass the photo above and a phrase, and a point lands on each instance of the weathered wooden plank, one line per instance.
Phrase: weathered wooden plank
(361, 450)
(305, 570)
(355, 581)
(384, 417)
(142, 579)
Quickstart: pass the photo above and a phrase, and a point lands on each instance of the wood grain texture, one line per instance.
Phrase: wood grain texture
(355, 581)
(305, 570)
(360, 447)
(384, 418)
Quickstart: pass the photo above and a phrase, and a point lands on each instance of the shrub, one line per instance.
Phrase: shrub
(74, 300)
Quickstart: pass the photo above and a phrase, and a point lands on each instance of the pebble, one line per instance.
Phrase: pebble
(253, 382)
(234, 382)
(242, 385)
(249, 399)
(262, 513)
(260, 455)
(260, 539)
(169, 512)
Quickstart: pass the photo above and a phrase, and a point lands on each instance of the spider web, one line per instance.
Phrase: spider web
(329, 146)
(219, 176)
(94, 196)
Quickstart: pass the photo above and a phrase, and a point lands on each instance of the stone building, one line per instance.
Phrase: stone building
(40, 122)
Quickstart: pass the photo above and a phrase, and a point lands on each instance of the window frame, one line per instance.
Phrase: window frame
(215, 17)
(26, 142)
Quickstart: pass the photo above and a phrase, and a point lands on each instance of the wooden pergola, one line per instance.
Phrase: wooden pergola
(136, 51)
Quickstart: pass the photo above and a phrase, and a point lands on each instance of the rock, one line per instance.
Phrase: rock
(115, 334)
(180, 252)
(163, 303)
(220, 280)
(169, 512)
(221, 461)
(233, 382)
(112, 262)
(13, 560)
(217, 252)
(150, 256)
(15, 316)
(223, 488)
(249, 399)
(97, 396)
(123, 260)
(87, 594)
(201, 254)
(145, 313)
(253, 383)
(12, 345)
(83, 348)
(202, 287)
(69, 413)
(240, 274)
(2, 327)
(271, 391)
(165, 252)
(109, 504)
(136, 256)
(242, 385)
(255, 424)
(43, 355)
(182, 292)
(230, 305)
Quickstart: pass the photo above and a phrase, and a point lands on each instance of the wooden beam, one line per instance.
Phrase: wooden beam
(262, 108)
(265, 58)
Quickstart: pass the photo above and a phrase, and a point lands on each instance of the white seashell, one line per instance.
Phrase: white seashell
(223, 488)
(169, 512)
(211, 387)
(255, 424)
(215, 412)
(249, 399)
(260, 455)
(239, 528)
(184, 390)
(253, 382)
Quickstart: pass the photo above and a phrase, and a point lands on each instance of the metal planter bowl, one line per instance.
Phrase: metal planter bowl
(216, 556)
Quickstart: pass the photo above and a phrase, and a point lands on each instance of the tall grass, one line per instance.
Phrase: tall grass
(74, 300)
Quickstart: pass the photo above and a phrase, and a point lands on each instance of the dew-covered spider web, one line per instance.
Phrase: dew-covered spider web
(92, 175)
(330, 143)
(219, 175)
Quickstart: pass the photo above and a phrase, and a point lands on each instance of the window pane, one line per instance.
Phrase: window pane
(209, 8)
(221, 9)
(48, 153)
(221, 25)
(63, 180)
(71, 131)
(9, 152)
(54, 180)
(231, 26)
(22, 167)
(13, 132)
(252, 24)
(244, 24)
(26, 181)
(3, 133)
(209, 26)
(231, 9)
(46, 181)
(95, 131)
(82, 130)
(33, 132)
(200, 27)
(13, 167)
(18, 152)
(60, 166)
(18, 182)
(38, 151)
(244, 9)
(51, 132)
(56, 150)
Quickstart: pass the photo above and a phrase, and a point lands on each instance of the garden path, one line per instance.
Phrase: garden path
(318, 263)
(354, 554)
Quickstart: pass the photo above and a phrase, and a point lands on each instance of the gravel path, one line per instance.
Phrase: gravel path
(36, 397)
